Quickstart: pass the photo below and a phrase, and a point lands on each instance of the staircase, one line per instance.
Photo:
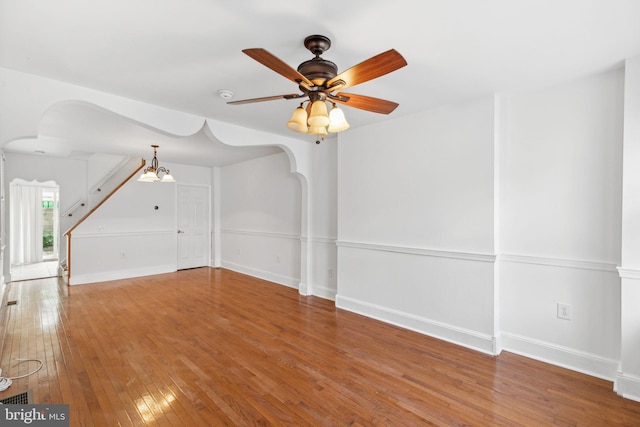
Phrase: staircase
(111, 176)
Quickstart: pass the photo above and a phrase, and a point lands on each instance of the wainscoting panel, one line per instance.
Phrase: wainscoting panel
(270, 256)
(98, 257)
(445, 294)
(531, 288)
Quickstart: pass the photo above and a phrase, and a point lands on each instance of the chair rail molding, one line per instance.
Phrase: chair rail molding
(559, 262)
(439, 253)
(629, 273)
(260, 234)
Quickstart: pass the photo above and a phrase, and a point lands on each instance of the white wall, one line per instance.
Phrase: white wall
(260, 219)
(415, 222)
(472, 222)
(560, 223)
(562, 171)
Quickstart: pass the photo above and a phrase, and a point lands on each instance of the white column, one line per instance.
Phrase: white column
(628, 381)
(216, 246)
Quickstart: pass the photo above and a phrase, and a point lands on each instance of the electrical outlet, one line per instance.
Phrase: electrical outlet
(123, 254)
(278, 259)
(564, 311)
(330, 273)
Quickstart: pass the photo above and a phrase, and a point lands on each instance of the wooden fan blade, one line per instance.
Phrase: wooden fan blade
(270, 61)
(266, 98)
(368, 103)
(370, 69)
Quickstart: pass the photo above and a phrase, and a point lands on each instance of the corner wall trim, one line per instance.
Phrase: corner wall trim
(464, 337)
(323, 292)
(467, 256)
(628, 386)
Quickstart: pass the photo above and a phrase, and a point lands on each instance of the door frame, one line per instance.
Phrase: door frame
(208, 231)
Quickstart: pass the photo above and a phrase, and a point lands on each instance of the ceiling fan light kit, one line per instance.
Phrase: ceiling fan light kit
(298, 121)
(318, 130)
(319, 115)
(337, 121)
(318, 80)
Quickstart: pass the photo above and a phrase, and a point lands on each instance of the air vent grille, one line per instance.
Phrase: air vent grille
(18, 399)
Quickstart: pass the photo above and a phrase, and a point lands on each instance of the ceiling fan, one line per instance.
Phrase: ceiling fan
(319, 82)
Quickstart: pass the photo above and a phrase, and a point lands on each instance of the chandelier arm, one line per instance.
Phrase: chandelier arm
(156, 169)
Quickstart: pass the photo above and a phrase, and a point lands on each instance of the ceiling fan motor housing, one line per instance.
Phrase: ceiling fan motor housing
(318, 70)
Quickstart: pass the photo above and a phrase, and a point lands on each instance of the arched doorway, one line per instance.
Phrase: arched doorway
(34, 223)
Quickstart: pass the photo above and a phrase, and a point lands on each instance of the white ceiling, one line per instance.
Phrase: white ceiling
(179, 53)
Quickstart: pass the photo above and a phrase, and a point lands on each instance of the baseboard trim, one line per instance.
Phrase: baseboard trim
(323, 292)
(280, 279)
(466, 338)
(564, 357)
(106, 276)
(628, 386)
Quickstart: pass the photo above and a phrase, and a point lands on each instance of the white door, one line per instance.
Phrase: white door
(193, 226)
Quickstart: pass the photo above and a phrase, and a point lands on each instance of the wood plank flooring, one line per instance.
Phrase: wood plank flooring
(209, 347)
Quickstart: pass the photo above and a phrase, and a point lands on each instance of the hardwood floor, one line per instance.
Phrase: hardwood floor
(210, 347)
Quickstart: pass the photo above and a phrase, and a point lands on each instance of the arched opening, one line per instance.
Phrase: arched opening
(34, 220)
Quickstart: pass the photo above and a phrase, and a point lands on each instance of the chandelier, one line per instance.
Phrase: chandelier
(152, 173)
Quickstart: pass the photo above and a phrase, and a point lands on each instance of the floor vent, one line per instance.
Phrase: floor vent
(18, 399)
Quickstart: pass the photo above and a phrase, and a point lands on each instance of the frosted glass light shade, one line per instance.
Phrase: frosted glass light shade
(148, 177)
(318, 115)
(318, 130)
(167, 178)
(298, 121)
(338, 122)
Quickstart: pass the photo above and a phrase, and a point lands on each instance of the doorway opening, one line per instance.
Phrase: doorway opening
(194, 238)
(34, 229)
